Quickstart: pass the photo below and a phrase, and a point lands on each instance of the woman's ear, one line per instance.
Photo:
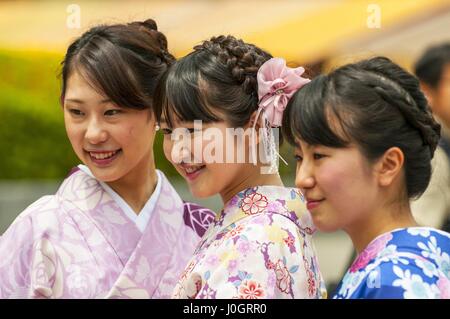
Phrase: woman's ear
(389, 166)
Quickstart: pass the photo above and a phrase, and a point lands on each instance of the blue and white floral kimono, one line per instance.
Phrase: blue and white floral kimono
(405, 263)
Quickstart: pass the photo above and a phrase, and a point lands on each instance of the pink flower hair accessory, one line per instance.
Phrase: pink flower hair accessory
(276, 85)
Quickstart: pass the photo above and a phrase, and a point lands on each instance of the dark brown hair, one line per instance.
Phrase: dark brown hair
(378, 105)
(217, 81)
(122, 61)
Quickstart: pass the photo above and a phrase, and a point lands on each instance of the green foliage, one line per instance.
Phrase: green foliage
(32, 135)
(33, 139)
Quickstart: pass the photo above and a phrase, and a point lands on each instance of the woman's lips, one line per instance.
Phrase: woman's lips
(103, 158)
(312, 204)
(192, 171)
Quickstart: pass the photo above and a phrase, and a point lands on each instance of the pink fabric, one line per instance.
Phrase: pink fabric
(276, 85)
(370, 252)
(78, 243)
(260, 246)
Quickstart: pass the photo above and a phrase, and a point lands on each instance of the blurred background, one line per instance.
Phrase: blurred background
(319, 34)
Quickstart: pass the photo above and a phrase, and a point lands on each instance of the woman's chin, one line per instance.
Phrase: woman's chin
(324, 226)
(103, 176)
(200, 192)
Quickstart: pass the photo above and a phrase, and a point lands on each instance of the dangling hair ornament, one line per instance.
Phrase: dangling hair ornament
(277, 83)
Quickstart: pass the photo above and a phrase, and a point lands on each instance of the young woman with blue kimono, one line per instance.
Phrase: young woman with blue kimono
(260, 245)
(116, 228)
(364, 138)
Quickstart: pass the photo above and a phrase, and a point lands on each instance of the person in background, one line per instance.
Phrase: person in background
(433, 71)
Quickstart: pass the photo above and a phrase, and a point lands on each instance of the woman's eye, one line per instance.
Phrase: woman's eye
(113, 112)
(76, 112)
(298, 158)
(193, 129)
(166, 131)
(318, 156)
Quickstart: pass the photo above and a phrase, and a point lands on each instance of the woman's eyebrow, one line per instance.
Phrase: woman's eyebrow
(78, 101)
(75, 101)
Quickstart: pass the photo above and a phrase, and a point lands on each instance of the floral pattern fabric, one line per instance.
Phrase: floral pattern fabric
(79, 243)
(410, 263)
(260, 246)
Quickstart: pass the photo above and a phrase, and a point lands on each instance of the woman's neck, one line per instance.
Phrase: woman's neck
(138, 185)
(363, 232)
(250, 177)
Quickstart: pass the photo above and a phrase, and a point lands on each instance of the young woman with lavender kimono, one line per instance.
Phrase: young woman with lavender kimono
(116, 228)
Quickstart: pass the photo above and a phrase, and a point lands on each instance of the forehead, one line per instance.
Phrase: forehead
(79, 87)
(174, 121)
(302, 145)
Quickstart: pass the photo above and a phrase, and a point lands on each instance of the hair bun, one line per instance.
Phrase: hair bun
(150, 27)
(242, 59)
(150, 24)
(405, 93)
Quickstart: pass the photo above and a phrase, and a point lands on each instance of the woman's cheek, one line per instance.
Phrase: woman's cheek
(326, 179)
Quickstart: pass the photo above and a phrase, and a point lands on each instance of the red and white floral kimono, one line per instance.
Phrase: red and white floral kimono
(260, 246)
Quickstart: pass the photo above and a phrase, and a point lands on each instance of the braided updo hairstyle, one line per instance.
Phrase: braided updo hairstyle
(378, 105)
(217, 81)
(122, 61)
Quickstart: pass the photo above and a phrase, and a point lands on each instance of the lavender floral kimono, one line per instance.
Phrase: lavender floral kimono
(260, 246)
(85, 242)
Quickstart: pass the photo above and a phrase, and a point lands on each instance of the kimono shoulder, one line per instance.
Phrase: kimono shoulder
(32, 245)
(18, 244)
(410, 263)
(41, 219)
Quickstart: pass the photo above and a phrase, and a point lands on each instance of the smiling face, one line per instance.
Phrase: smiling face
(338, 183)
(113, 142)
(203, 165)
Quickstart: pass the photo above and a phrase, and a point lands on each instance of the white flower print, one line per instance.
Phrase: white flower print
(432, 251)
(390, 255)
(413, 285)
(387, 251)
(419, 231)
(350, 281)
(428, 268)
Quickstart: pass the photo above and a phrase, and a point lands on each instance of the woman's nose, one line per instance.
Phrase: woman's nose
(95, 132)
(304, 178)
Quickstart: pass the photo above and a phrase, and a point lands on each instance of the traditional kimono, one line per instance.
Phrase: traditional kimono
(86, 242)
(405, 263)
(258, 247)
